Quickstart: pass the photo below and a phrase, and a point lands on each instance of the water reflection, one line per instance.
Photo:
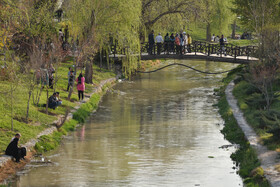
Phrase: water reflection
(157, 130)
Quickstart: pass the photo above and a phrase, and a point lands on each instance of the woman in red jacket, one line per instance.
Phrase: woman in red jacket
(81, 86)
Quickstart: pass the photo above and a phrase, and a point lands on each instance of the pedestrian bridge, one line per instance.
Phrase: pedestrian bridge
(197, 50)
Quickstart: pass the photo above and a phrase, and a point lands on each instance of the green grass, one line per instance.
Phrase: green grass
(38, 120)
(250, 102)
(198, 32)
(50, 142)
(245, 156)
(243, 42)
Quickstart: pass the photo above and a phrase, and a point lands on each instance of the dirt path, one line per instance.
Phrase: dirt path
(9, 167)
(269, 159)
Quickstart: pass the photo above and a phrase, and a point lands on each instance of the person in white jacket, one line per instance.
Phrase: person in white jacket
(159, 41)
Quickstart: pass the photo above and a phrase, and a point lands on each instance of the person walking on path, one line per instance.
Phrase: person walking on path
(13, 149)
(151, 42)
(159, 41)
(70, 80)
(81, 86)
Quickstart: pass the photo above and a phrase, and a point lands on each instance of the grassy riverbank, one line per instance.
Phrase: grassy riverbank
(50, 142)
(264, 122)
(38, 119)
(245, 156)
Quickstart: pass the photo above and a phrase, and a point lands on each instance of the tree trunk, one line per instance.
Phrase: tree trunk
(56, 77)
(47, 103)
(28, 103)
(39, 95)
(71, 87)
(233, 29)
(12, 109)
(208, 32)
(88, 73)
(100, 62)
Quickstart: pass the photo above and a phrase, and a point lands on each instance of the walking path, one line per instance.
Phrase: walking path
(269, 159)
(4, 159)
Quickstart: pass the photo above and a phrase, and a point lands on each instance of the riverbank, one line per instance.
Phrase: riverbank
(51, 137)
(42, 125)
(257, 163)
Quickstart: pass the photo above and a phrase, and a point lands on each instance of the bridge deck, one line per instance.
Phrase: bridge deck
(201, 56)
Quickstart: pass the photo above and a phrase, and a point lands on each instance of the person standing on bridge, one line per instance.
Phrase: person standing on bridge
(159, 41)
(177, 43)
(185, 42)
(166, 43)
(189, 43)
(151, 42)
(222, 45)
(181, 43)
(172, 41)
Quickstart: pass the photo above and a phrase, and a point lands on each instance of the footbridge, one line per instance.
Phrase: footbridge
(197, 50)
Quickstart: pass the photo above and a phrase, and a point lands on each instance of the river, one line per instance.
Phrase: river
(158, 129)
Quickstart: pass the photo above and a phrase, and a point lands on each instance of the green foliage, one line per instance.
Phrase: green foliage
(70, 125)
(81, 114)
(109, 21)
(271, 120)
(50, 142)
(265, 122)
(37, 116)
(257, 14)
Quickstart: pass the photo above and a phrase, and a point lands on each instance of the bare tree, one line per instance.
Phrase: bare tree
(262, 77)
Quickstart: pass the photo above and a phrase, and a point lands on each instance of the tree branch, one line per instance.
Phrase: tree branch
(161, 15)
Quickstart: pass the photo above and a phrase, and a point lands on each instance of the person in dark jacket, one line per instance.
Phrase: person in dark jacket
(53, 101)
(13, 149)
(151, 42)
(222, 45)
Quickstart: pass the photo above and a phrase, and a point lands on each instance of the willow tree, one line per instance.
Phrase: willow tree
(255, 15)
(94, 22)
(217, 16)
(155, 10)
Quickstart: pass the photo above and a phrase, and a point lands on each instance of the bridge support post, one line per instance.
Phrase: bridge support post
(195, 48)
(235, 54)
(248, 52)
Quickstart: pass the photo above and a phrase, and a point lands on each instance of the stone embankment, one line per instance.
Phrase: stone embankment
(8, 167)
(269, 159)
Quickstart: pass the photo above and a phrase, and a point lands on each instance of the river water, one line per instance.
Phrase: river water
(156, 130)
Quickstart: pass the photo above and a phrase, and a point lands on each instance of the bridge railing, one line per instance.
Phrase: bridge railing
(196, 47)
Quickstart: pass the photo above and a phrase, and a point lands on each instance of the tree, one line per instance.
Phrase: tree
(154, 10)
(263, 76)
(255, 15)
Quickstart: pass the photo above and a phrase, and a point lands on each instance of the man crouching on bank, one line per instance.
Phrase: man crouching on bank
(13, 149)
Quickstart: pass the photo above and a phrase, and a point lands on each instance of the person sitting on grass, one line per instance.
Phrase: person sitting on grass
(13, 149)
(54, 101)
